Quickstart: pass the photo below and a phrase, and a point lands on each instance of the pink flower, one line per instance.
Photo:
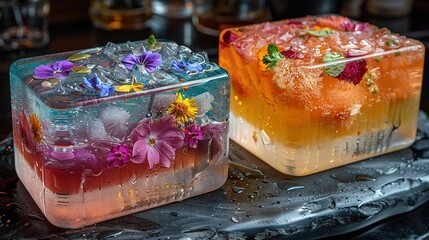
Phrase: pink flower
(118, 156)
(229, 37)
(355, 26)
(292, 54)
(354, 71)
(193, 133)
(156, 142)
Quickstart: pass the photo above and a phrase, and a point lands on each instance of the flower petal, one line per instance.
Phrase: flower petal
(173, 137)
(129, 61)
(141, 131)
(166, 153)
(140, 152)
(152, 157)
(163, 124)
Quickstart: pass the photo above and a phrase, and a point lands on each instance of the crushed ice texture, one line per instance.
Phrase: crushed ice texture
(258, 202)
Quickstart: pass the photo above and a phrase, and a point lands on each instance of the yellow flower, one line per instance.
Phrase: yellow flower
(183, 109)
(36, 127)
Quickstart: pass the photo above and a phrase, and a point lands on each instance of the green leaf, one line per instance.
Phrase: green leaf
(272, 57)
(151, 40)
(272, 48)
(333, 56)
(334, 70)
(390, 43)
(320, 33)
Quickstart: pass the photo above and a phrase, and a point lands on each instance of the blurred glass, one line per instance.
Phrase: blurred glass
(389, 8)
(173, 8)
(23, 24)
(120, 14)
(211, 16)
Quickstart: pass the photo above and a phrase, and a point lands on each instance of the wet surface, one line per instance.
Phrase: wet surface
(258, 202)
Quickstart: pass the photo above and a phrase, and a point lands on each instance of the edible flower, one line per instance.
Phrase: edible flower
(155, 142)
(118, 156)
(148, 59)
(136, 87)
(59, 70)
(183, 109)
(151, 40)
(36, 127)
(228, 37)
(186, 66)
(354, 71)
(350, 26)
(272, 57)
(193, 133)
(292, 54)
(95, 83)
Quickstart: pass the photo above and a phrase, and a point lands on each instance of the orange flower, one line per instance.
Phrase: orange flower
(36, 127)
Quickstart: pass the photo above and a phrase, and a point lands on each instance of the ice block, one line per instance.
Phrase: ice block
(317, 92)
(108, 131)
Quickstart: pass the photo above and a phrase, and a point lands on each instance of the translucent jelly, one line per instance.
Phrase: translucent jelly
(109, 131)
(315, 93)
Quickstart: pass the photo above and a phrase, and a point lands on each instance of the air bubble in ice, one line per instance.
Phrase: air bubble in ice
(391, 170)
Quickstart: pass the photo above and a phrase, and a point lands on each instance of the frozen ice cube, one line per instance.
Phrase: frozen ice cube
(204, 102)
(111, 50)
(115, 120)
(141, 75)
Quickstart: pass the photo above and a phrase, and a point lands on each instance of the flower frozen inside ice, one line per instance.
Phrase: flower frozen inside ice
(59, 70)
(156, 141)
(36, 127)
(148, 59)
(354, 71)
(183, 109)
(95, 83)
(193, 133)
(118, 156)
(185, 66)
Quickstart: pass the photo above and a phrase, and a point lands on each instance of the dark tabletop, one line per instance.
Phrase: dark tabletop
(70, 29)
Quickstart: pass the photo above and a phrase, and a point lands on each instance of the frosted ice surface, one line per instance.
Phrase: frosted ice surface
(115, 120)
(204, 102)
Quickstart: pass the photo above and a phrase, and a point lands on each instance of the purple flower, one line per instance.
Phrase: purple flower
(149, 59)
(193, 133)
(118, 156)
(156, 142)
(95, 83)
(59, 70)
(186, 66)
(354, 71)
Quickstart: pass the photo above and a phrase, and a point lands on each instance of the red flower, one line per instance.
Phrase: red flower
(229, 37)
(292, 54)
(354, 71)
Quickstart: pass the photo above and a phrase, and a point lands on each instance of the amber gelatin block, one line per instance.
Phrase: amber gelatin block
(314, 93)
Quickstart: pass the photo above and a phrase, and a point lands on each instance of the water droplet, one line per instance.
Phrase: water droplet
(238, 189)
(391, 170)
(236, 219)
(174, 214)
(290, 185)
(364, 177)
